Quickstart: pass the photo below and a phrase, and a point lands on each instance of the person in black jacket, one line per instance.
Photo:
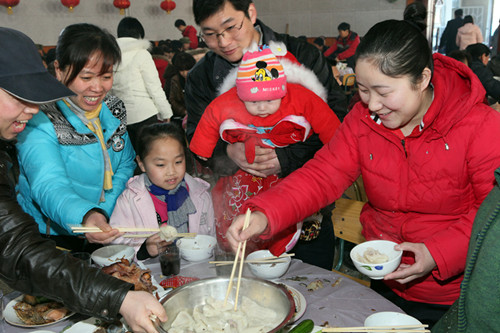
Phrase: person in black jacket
(480, 55)
(228, 28)
(448, 38)
(28, 262)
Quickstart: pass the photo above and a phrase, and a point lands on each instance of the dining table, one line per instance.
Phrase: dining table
(340, 301)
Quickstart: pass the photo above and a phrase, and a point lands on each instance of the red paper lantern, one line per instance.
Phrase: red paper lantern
(70, 4)
(168, 6)
(9, 4)
(122, 4)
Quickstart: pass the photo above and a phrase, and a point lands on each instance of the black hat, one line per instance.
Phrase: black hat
(22, 73)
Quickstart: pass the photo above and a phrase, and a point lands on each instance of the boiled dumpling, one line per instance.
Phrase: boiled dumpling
(168, 233)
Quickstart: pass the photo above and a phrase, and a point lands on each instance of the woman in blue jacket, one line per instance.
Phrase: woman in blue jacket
(76, 156)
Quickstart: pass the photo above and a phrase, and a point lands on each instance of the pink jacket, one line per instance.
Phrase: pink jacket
(135, 208)
(426, 189)
(468, 34)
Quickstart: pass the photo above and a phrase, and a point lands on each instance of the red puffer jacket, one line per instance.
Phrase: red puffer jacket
(425, 189)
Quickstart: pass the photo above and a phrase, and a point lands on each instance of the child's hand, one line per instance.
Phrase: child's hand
(152, 244)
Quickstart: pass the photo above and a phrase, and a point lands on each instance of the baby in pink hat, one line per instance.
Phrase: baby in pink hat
(268, 102)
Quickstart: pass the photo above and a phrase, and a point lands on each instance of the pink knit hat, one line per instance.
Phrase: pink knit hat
(260, 77)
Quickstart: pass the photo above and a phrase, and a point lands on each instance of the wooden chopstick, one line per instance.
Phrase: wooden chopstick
(242, 259)
(121, 229)
(180, 235)
(284, 255)
(230, 285)
(260, 261)
(396, 329)
(392, 330)
(265, 260)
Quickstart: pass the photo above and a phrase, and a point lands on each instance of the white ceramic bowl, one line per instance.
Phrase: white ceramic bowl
(198, 248)
(389, 318)
(377, 271)
(110, 254)
(268, 271)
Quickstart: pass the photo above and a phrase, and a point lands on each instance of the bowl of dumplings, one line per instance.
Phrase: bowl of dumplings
(376, 258)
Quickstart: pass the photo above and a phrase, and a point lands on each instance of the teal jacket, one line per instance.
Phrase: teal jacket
(478, 308)
(62, 165)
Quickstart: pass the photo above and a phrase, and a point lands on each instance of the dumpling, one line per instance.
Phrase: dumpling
(168, 233)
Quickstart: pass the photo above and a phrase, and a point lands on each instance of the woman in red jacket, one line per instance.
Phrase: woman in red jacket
(427, 148)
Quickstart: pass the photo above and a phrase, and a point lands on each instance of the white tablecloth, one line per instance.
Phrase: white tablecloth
(347, 303)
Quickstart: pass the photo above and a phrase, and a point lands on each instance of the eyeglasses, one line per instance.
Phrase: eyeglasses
(231, 31)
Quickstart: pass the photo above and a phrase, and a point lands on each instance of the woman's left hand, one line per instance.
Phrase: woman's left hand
(424, 263)
(107, 234)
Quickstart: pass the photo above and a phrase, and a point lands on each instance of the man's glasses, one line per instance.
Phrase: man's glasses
(232, 31)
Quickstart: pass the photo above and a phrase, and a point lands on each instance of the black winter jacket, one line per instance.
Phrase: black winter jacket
(208, 74)
(485, 75)
(33, 265)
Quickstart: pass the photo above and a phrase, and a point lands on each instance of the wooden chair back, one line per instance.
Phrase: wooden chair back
(347, 227)
(345, 218)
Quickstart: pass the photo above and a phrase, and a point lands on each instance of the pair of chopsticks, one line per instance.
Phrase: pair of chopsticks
(240, 248)
(380, 329)
(265, 260)
(79, 229)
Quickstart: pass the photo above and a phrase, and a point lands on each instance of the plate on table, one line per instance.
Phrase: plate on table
(90, 325)
(12, 318)
(300, 302)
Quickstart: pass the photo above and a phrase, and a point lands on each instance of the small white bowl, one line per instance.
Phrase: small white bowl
(110, 254)
(389, 318)
(377, 271)
(198, 248)
(267, 271)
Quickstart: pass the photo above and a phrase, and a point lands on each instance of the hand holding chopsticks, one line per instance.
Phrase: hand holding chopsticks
(380, 329)
(230, 285)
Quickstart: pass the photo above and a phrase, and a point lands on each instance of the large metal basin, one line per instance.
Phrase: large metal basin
(265, 293)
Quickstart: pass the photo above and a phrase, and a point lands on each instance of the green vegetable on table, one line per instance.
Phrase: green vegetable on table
(305, 326)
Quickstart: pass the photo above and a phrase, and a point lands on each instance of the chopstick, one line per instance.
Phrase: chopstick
(265, 260)
(180, 235)
(245, 225)
(396, 328)
(222, 263)
(230, 285)
(121, 229)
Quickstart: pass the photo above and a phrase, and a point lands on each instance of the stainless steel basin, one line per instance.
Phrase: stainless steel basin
(265, 293)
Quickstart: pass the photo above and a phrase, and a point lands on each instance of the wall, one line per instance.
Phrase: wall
(42, 20)
(321, 17)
